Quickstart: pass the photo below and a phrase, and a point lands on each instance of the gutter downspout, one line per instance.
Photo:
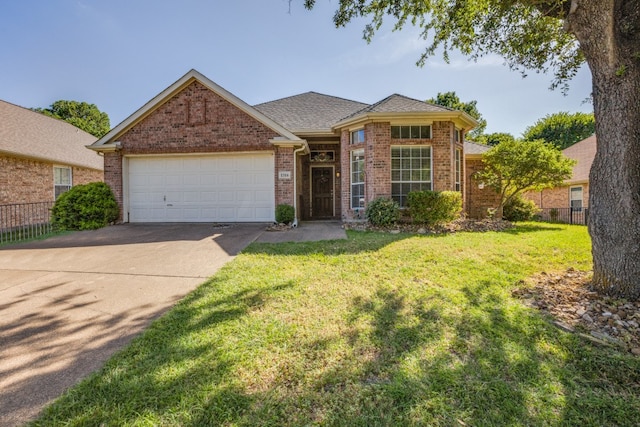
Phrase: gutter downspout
(295, 184)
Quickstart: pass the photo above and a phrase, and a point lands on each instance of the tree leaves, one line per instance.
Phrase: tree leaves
(80, 114)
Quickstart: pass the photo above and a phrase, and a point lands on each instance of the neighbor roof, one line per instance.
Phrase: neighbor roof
(26, 133)
(475, 149)
(584, 152)
(309, 112)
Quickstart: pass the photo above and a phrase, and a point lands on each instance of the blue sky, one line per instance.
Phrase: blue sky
(118, 54)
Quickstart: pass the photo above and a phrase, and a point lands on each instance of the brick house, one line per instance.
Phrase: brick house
(196, 153)
(41, 157)
(575, 192)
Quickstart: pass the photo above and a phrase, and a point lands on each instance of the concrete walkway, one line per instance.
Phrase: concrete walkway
(68, 303)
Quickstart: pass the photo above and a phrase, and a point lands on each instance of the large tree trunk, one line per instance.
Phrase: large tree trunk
(609, 35)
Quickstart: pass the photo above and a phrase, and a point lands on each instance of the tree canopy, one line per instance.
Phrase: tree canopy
(562, 129)
(80, 114)
(495, 138)
(513, 167)
(451, 100)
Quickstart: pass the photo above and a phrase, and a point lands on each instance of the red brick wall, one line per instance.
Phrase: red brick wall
(557, 197)
(30, 181)
(196, 120)
(477, 200)
(113, 175)
(284, 187)
(377, 147)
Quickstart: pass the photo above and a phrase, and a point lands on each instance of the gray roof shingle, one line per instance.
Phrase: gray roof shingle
(400, 104)
(309, 111)
(471, 147)
(26, 133)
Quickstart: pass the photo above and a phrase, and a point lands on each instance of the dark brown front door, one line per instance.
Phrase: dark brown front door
(321, 192)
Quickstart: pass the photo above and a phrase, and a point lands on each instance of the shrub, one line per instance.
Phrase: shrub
(85, 207)
(434, 207)
(519, 209)
(382, 211)
(285, 214)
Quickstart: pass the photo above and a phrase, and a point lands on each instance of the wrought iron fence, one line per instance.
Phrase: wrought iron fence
(21, 221)
(564, 215)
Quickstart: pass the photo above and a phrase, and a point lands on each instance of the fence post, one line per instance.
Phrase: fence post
(571, 215)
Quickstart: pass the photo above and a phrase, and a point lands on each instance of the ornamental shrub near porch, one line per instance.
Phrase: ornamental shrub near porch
(85, 207)
(434, 207)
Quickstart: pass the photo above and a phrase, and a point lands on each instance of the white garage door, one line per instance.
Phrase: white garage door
(232, 188)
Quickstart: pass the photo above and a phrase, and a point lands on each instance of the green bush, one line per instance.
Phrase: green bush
(285, 214)
(85, 207)
(434, 207)
(382, 211)
(519, 209)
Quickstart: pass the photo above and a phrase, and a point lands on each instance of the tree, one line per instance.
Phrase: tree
(513, 167)
(495, 138)
(451, 100)
(80, 114)
(562, 129)
(555, 36)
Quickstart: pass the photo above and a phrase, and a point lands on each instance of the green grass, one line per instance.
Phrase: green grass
(376, 330)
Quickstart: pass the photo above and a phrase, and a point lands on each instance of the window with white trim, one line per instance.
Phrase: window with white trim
(411, 132)
(575, 198)
(410, 171)
(458, 169)
(458, 135)
(357, 136)
(62, 180)
(357, 179)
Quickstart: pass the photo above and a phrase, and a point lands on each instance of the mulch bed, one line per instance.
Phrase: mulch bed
(576, 307)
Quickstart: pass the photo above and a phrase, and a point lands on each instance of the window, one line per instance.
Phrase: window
(410, 171)
(458, 135)
(61, 180)
(458, 169)
(357, 136)
(411, 132)
(575, 198)
(357, 179)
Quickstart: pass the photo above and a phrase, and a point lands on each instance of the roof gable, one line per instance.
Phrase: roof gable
(110, 139)
(29, 134)
(399, 106)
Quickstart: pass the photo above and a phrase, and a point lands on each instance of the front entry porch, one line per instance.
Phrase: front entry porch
(319, 192)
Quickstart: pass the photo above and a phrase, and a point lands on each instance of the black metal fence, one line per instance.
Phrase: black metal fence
(564, 215)
(21, 221)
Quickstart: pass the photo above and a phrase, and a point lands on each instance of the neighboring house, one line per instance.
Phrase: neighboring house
(575, 192)
(41, 157)
(196, 152)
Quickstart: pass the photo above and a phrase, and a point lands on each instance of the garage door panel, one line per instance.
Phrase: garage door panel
(234, 188)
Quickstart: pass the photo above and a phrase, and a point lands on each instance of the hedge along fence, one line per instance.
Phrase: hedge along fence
(434, 207)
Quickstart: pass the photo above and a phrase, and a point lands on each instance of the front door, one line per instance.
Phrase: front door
(322, 192)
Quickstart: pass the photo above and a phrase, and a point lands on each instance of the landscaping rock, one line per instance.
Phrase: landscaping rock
(569, 298)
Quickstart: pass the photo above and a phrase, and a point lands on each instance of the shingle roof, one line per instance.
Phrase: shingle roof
(309, 111)
(471, 147)
(584, 152)
(26, 133)
(400, 104)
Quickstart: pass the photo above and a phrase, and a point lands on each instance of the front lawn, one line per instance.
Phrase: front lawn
(379, 329)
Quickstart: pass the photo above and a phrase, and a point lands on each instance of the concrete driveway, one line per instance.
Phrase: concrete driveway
(68, 303)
